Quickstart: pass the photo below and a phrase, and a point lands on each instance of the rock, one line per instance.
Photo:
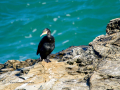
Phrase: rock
(107, 46)
(85, 59)
(108, 83)
(16, 64)
(20, 89)
(45, 76)
(6, 69)
(62, 53)
(25, 70)
(25, 77)
(11, 63)
(1, 66)
(30, 61)
(113, 26)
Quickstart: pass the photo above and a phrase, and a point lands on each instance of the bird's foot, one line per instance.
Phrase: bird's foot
(47, 60)
(39, 60)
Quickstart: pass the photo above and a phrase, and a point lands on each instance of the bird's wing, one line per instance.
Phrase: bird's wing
(40, 45)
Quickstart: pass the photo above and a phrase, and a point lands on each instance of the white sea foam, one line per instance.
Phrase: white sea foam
(22, 45)
(54, 32)
(44, 3)
(32, 43)
(28, 4)
(73, 23)
(65, 41)
(34, 30)
(56, 0)
(21, 58)
(68, 15)
(59, 33)
(58, 16)
(54, 19)
(28, 36)
(78, 18)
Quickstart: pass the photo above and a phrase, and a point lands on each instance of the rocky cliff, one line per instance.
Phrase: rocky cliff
(92, 67)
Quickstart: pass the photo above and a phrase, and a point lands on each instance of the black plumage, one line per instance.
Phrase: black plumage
(46, 45)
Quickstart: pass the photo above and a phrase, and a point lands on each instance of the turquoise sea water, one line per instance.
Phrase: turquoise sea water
(72, 22)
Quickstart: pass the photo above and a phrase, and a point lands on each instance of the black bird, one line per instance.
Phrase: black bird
(46, 45)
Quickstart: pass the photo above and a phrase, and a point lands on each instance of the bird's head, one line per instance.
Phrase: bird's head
(45, 31)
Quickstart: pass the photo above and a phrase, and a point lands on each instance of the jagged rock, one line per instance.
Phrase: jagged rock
(25, 70)
(6, 69)
(62, 53)
(107, 46)
(85, 59)
(113, 26)
(30, 61)
(45, 76)
(107, 77)
(25, 76)
(16, 64)
(11, 64)
(1, 66)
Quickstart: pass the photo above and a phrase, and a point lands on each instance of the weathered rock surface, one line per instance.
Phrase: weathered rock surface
(44, 76)
(107, 77)
(16, 64)
(92, 67)
(113, 26)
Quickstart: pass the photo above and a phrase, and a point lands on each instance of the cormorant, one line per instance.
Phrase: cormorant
(46, 45)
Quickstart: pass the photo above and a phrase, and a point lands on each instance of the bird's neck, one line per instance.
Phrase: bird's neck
(49, 35)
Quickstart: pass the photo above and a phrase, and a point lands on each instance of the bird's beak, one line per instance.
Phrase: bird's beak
(43, 33)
